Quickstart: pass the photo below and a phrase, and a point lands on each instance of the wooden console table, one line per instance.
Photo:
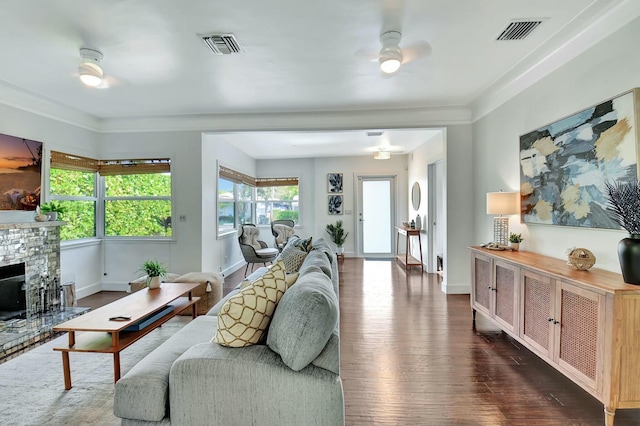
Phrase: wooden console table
(102, 335)
(408, 259)
(583, 323)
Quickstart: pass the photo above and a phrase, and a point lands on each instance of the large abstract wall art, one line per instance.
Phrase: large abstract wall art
(564, 165)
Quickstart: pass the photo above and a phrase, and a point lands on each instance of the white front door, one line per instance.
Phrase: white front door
(376, 215)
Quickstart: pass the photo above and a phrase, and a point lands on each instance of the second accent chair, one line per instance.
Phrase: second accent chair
(254, 250)
(282, 230)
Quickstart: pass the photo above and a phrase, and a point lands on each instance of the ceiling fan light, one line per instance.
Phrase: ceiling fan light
(91, 74)
(381, 155)
(389, 65)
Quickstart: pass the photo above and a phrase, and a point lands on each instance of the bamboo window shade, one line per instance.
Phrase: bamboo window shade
(234, 176)
(134, 167)
(60, 160)
(238, 177)
(262, 182)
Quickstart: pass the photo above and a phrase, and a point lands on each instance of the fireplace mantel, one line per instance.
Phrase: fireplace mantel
(27, 225)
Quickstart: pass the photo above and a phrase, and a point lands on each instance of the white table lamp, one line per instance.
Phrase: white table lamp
(502, 203)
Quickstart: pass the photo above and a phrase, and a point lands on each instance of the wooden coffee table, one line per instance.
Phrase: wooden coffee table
(102, 335)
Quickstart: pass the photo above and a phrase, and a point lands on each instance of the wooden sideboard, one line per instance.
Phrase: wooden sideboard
(586, 324)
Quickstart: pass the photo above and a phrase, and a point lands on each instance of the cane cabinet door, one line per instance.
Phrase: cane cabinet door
(536, 308)
(579, 347)
(505, 294)
(482, 283)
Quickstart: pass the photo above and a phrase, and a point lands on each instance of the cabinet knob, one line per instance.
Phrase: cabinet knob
(556, 322)
(549, 319)
(489, 287)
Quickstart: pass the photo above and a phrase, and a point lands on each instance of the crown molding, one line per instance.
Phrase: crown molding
(543, 62)
(317, 120)
(19, 98)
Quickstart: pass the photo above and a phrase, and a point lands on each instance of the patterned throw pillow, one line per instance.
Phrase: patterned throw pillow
(292, 258)
(304, 245)
(245, 317)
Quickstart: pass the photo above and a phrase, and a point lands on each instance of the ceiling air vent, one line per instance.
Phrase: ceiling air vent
(518, 30)
(222, 44)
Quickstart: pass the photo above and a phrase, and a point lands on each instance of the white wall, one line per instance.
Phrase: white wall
(458, 193)
(606, 70)
(122, 259)
(218, 253)
(419, 160)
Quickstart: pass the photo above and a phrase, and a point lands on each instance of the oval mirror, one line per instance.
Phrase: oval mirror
(415, 195)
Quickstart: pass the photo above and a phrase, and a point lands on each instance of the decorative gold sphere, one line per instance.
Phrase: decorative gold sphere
(581, 259)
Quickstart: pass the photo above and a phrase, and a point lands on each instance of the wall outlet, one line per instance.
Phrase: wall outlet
(182, 218)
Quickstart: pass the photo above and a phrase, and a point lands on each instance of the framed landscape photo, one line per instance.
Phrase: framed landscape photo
(335, 204)
(564, 165)
(334, 180)
(20, 173)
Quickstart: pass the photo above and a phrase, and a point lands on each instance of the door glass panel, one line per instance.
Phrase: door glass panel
(376, 213)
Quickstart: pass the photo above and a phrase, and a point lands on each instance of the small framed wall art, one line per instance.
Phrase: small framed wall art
(335, 204)
(564, 165)
(334, 181)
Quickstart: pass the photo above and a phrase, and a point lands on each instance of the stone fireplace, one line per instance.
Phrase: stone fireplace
(35, 247)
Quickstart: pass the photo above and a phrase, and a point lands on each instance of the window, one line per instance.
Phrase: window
(243, 199)
(277, 199)
(137, 198)
(72, 183)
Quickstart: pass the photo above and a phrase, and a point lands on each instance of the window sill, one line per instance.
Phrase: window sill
(85, 242)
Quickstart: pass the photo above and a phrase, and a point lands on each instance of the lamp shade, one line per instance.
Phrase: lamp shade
(502, 203)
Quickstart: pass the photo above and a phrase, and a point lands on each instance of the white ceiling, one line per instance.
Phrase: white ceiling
(299, 56)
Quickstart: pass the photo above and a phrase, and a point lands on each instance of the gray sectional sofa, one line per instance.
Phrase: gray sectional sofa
(291, 379)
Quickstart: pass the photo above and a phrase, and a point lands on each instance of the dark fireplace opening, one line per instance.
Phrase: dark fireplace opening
(13, 296)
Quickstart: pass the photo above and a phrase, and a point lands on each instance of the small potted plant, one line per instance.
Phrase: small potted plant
(154, 270)
(53, 210)
(515, 240)
(338, 235)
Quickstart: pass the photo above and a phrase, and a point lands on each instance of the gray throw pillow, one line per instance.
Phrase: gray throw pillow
(304, 320)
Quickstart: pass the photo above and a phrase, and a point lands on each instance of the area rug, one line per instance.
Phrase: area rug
(32, 384)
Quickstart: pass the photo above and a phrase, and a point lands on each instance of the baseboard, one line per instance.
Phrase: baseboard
(233, 268)
(88, 290)
(114, 286)
(460, 288)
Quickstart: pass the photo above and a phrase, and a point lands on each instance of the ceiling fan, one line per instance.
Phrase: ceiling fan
(392, 56)
(90, 70)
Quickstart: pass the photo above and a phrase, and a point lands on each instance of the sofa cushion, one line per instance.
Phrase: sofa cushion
(142, 393)
(304, 320)
(316, 261)
(244, 318)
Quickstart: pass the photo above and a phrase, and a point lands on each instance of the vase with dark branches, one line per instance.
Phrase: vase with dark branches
(624, 209)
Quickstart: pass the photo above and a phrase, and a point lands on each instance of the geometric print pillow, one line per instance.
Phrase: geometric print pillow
(292, 258)
(245, 317)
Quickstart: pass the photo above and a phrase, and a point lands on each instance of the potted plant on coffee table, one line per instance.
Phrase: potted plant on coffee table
(154, 270)
(338, 235)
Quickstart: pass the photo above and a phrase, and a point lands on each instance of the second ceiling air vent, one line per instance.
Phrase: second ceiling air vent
(222, 44)
(518, 30)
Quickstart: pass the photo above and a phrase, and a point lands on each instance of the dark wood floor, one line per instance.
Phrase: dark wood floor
(410, 355)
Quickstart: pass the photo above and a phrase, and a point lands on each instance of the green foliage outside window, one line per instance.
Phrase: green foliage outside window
(127, 215)
(80, 215)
